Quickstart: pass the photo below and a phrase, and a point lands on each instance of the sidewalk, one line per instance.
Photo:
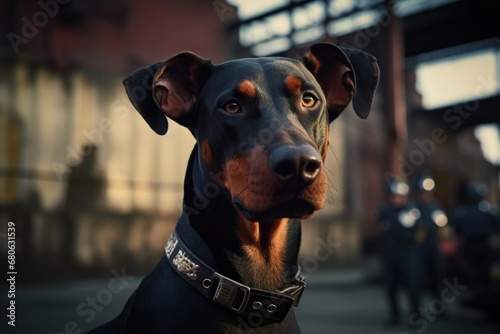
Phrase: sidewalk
(340, 302)
(333, 302)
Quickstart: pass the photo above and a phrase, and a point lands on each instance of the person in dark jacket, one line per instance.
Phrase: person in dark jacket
(475, 224)
(432, 219)
(397, 222)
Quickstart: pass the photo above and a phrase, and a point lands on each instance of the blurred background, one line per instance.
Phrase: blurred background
(92, 189)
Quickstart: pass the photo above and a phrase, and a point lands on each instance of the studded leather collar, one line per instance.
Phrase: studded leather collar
(268, 306)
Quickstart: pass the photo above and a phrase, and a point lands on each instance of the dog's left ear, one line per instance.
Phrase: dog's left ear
(169, 88)
(344, 75)
(139, 87)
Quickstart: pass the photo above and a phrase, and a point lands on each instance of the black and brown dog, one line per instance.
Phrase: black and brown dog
(261, 127)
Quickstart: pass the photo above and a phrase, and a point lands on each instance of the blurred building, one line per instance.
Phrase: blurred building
(90, 186)
(86, 181)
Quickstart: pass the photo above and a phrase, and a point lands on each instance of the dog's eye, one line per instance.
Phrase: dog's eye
(308, 100)
(232, 107)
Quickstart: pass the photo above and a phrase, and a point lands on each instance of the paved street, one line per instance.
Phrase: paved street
(344, 306)
(334, 302)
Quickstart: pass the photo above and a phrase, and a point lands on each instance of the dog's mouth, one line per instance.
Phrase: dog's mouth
(295, 208)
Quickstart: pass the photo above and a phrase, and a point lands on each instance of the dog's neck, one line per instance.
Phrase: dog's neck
(259, 254)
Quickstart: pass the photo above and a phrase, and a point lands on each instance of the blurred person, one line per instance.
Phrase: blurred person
(397, 222)
(429, 225)
(475, 223)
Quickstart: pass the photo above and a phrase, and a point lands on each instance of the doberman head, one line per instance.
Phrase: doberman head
(262, 128)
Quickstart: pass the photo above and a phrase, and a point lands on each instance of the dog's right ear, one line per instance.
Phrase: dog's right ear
(169, 88)
(344, 75)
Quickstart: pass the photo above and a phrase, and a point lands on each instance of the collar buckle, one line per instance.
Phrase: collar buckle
(229, 292)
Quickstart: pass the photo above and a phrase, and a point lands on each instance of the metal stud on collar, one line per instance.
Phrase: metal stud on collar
(171, 244)
(185, 266)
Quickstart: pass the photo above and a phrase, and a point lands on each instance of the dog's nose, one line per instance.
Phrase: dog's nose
(295, 166)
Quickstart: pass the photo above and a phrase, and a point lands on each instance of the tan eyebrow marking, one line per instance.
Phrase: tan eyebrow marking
(247, 89)
(293, 83)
